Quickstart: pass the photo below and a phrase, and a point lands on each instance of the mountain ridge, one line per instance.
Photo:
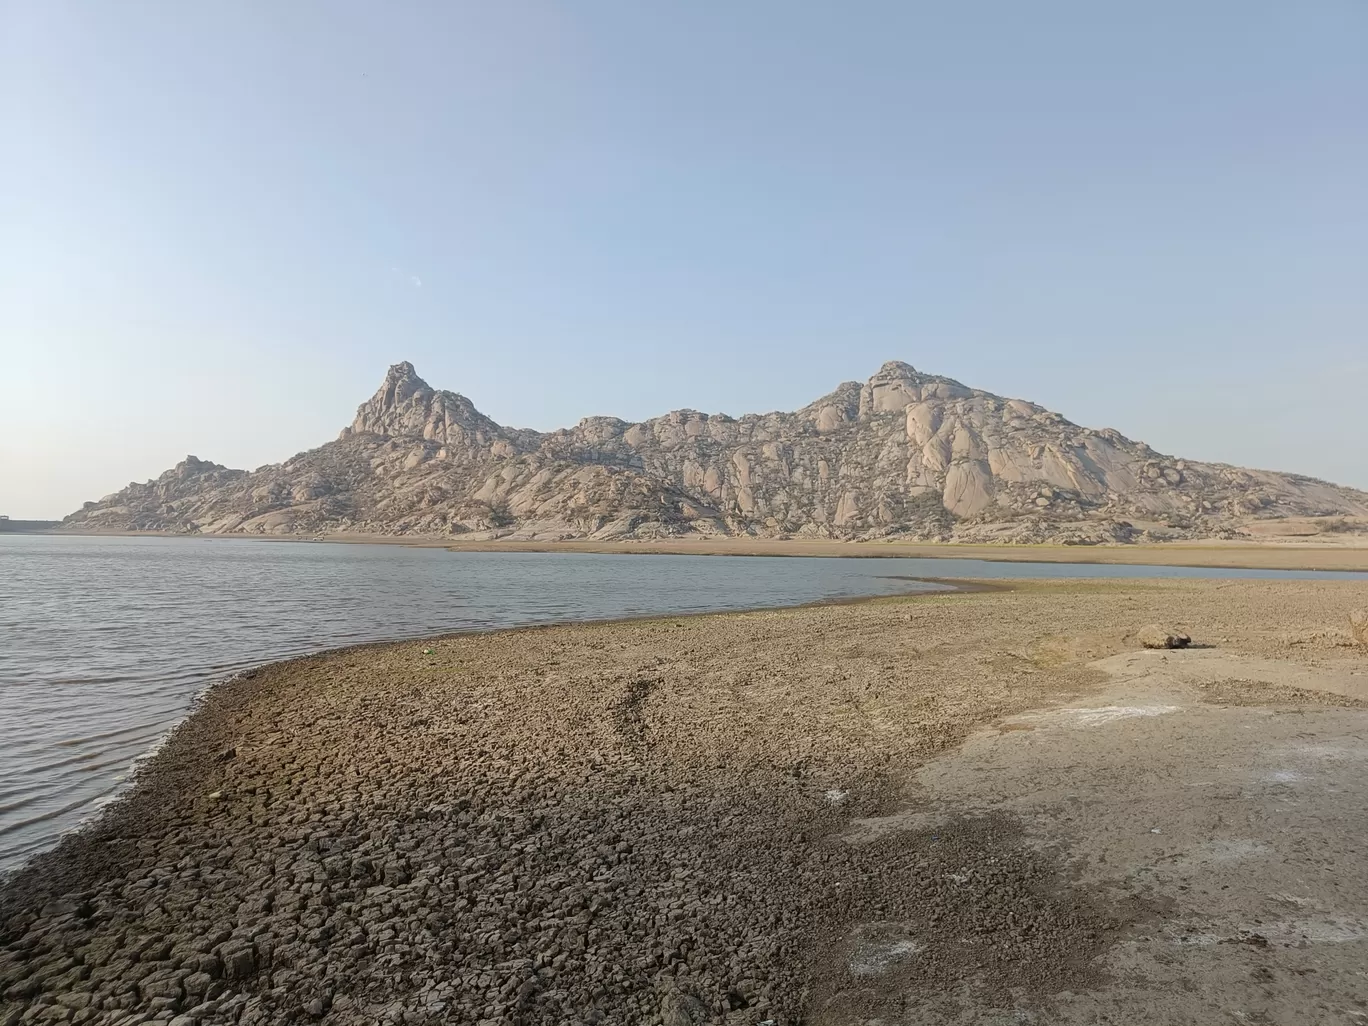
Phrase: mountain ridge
(902, 454)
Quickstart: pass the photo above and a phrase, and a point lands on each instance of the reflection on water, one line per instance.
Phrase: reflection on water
(105, 641)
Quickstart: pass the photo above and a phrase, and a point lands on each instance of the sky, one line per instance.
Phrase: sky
(221, 222)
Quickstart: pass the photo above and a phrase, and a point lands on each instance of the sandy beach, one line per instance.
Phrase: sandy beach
(989, 806)
(1226, 555)
(1349, 552)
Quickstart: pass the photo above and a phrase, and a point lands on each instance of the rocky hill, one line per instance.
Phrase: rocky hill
(904, 454)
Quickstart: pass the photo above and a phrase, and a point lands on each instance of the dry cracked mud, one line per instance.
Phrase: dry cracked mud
(953, 808)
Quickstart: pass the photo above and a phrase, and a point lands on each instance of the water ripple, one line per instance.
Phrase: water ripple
(104, 642)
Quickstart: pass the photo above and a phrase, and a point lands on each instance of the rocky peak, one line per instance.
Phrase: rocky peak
(399, 406)
(406, 406)
(195, 465)
(898, 385)
(896, 370)
(401, 384)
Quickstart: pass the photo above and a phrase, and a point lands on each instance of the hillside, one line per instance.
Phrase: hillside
(904, 454)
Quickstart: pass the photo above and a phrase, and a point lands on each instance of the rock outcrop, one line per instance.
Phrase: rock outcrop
(904, 454)
(1155, 636)
(1358, 625)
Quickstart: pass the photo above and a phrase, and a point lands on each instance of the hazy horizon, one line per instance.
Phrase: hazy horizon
(224, 224)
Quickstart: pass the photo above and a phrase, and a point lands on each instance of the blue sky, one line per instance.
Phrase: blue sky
(222, 222)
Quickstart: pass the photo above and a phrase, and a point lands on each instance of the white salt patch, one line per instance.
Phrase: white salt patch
(878, 947)
(836, 797)
(1284, 777)
(1111, 713)
(872, 959)
(1233, 850)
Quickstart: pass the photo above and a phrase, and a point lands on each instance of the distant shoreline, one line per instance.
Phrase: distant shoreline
(1234, 555)
(8, 526)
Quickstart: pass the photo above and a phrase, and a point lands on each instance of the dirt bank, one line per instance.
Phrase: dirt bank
(912, 810)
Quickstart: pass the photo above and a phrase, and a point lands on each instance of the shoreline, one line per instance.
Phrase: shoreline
(140, 762)
(1234, 555)
(321, 838)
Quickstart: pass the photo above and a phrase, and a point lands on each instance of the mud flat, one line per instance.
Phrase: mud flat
(956, 808)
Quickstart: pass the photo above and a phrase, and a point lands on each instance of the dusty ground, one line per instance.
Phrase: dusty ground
(968, 808)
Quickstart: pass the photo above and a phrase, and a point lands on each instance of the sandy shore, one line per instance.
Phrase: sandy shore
(1348, 553)
(1227, 555)
(953, 808)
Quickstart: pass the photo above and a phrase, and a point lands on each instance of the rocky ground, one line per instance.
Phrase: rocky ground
(868, 813)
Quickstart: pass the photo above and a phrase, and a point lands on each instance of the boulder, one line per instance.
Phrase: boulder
(1358, 625)
(1155, 636)
(680, 1008)
(239, 961)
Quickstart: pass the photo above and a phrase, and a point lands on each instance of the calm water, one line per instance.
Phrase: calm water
(104, 642)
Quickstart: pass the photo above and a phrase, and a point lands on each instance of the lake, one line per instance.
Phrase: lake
(105, 642)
